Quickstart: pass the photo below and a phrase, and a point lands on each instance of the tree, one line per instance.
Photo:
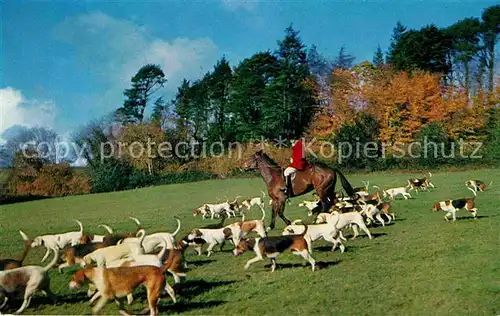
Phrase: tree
(491, 31)
(362, 133)
(378, 57)
(465, 45)
(182, 108)
(321, 68)
(343, 60)
(147, 155)
(394, 52)
(42, 140)
(219, 82)
(248, 98)
(425, 49)
(293, 99)
(144, 83)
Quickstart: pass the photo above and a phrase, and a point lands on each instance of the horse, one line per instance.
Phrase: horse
(318, 177)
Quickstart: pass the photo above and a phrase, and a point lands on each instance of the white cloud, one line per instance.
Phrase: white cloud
(15, 109)
(234, 5)
(115, 49)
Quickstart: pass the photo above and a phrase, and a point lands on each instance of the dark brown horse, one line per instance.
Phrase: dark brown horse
(317, 177)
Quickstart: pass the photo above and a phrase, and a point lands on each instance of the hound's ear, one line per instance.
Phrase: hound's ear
(227, 232)
(197, 233)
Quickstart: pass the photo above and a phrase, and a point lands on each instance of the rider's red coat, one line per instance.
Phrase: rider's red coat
(299, 161)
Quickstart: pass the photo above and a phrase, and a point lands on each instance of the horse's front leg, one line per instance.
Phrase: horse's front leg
(273, 215)
(281, 212)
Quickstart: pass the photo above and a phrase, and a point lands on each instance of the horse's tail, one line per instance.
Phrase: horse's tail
(345, 184)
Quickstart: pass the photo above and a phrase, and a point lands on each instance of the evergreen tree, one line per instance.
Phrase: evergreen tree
(293, 100)
(250, 81)
(343, 60)
(146, 81)
(378, 57)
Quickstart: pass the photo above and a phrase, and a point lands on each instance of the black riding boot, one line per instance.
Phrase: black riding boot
(288, 186)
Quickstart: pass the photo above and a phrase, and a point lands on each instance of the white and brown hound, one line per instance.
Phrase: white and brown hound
(58, 241)
(120, 282)
(452, 206)
(271, 247)
(27, 279)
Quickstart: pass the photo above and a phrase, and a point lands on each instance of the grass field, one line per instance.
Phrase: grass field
(420, 265)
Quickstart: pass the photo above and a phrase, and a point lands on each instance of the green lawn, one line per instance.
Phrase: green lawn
(420, 265)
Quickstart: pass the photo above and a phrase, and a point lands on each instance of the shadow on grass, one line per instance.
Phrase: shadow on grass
(374, 235)
(193, 288)
(319, 265)
(39, 300)
(465, 218)
(198, 263)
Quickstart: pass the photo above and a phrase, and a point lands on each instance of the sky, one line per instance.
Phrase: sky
(65, 63)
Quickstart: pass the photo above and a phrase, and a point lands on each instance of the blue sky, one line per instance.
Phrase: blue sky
(65, 63)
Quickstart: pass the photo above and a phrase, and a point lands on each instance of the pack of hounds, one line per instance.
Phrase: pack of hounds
(114, 264)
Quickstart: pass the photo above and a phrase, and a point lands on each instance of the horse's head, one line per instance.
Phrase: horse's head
(251, 162)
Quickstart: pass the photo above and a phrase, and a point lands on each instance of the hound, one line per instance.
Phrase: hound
(104, 255)
(327, 231)
(371, 211)
(241, 229)
(137, 261)
(477, 185)
(271, 247)
(214, 210)
(211, 236)
(175, 261)
(353, 219)
(384, 207)
(28, 279)
(119, 282)
(394, 192)
(153, 241)
(362, 191)
(7, 264)
(311, 206)
(142, 259)
(93, 238)
(259, 201)
(452, 206)
(422, 184)
(58, 241)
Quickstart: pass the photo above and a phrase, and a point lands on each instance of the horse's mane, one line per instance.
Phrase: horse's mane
(270, 161)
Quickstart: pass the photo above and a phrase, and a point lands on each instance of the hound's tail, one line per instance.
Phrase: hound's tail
(473, 191)
(141, 238)
(163, 249)
(178, 226)
(430, 175)
(491, 182)
(137, 222)
(107, 228)
(263, 213)
(53, 262)
(236, 199)
(345, 184)
(27, 246)
(81, 226)
(263, 194)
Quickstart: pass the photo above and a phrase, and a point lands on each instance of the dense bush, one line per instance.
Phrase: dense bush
(109, 175)
(33, 176)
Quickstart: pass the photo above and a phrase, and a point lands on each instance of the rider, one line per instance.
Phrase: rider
(297, 162)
